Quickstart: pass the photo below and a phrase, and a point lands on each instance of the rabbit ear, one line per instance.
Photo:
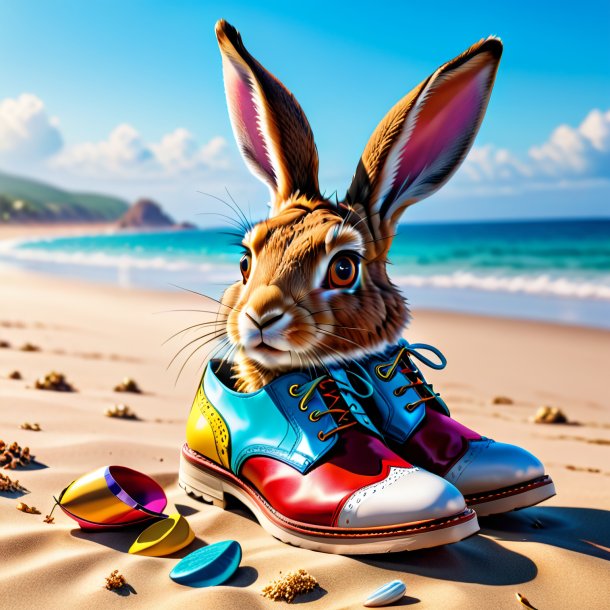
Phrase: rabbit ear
(424, 138)
(269, 125)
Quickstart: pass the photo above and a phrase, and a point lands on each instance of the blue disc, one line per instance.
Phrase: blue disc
(208, 566)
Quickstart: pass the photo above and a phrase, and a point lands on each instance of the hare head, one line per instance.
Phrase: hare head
(314, 287)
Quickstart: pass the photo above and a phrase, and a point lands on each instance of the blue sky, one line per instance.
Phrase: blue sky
(127, 97)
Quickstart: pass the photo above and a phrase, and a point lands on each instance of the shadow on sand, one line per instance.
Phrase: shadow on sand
(582, 530)
(479, 559)
(476, 560)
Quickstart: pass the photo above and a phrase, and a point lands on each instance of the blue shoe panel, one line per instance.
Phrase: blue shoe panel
(395, 407)
(269, 422)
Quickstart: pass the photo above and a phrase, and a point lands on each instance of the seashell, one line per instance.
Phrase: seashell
(524, 601)
(208, 566)
(113, 496)
(388, 594)
(164, 537)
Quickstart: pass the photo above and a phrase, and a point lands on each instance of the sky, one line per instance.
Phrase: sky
(127, 98)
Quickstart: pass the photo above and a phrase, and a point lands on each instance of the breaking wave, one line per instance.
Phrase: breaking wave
(542, 284)
(558, 285)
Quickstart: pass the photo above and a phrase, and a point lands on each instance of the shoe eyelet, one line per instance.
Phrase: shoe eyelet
(380, 374)
(293, 389)
(314, 416)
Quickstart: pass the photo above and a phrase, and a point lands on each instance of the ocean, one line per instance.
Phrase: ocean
(557, 271)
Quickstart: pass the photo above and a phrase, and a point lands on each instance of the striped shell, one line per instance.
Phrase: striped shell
(388, 594)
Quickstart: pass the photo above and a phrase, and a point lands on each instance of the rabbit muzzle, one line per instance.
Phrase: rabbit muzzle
(264, 328)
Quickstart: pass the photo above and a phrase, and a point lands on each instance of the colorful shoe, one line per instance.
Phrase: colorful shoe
(303, 456)
(415, 422)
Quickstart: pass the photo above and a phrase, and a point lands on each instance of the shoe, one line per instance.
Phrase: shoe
(415, 422)
(303, 456)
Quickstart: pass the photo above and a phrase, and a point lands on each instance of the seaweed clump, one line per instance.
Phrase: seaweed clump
(13, 455)
(55, 382)
(128, 385)
(289, 586)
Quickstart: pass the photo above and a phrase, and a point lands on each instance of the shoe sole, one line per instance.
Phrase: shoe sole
(512, 498)
(208, 481)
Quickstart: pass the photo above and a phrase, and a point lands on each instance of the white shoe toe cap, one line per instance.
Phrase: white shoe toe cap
(404, 496)
(488, 465)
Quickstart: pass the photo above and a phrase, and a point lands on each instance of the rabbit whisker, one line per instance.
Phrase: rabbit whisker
(214, 332)
(205, 296)
(192, 310)
(246, 226)
(247, 220)
(190, 356)
(231, 221)
(330, 334)
(184, 330)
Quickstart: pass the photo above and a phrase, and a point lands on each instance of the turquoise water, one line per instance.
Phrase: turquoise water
(556, 270)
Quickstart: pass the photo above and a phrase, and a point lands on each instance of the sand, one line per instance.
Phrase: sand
(96, 335)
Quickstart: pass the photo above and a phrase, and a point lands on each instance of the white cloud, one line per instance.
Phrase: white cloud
(491, 164)
(27, 132)
(574, 152)
(178, 151)
(125, 154)
(30, 138)
(572, 156)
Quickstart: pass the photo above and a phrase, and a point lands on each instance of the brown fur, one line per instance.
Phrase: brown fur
(293, 243)
(283, 300)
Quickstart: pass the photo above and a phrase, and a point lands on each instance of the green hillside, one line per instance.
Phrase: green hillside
(26, 200)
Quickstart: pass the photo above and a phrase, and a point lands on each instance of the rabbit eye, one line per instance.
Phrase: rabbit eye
(343, 271)
(245, 264)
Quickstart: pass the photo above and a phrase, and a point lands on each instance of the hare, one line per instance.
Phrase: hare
(314, 285)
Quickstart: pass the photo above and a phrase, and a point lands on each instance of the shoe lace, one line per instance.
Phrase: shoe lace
(386, 370)
(329, 389)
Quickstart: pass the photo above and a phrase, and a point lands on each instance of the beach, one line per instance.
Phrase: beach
(555, 554)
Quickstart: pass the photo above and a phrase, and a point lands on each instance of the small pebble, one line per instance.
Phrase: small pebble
(549, 415)
(4, 344)
(35, 427)
(54, 381)
(16, 375)
(502, 400)
(29, 347)
(121, 412)
(24, 508)
(128, 385)
(386, 595)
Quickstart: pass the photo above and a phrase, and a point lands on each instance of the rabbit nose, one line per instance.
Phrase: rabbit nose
(266, 319)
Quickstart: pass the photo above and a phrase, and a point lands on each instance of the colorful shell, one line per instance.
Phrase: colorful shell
(208, 566)
(164, 537)
(388, 594)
